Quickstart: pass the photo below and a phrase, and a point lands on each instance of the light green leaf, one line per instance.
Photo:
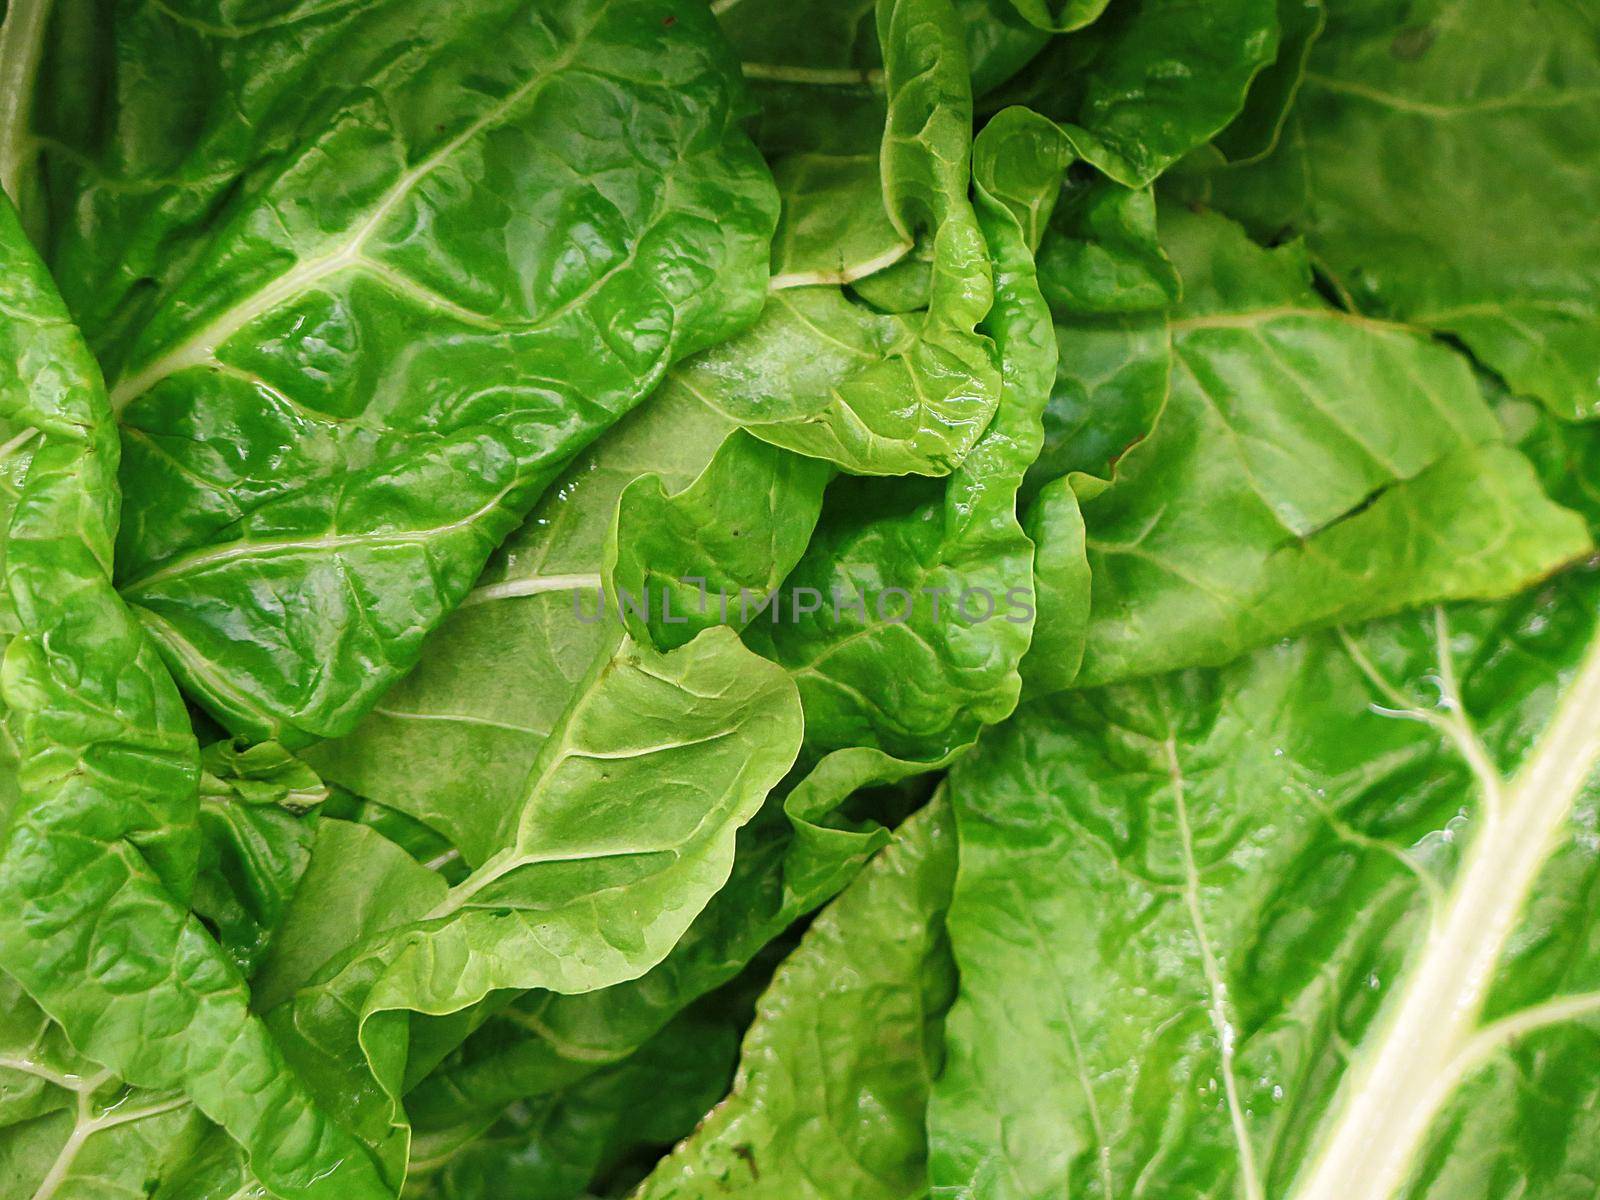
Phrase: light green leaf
(834, 228)
(875, 394)
(934, 584)
(69, 1130)
(1311, 926)
(816, 72)
(1309, 466)
(625, 830)
(692, 556)
(452, 744)
(836, 1070)
(256, 843)
(1404, 165)
(794, 855)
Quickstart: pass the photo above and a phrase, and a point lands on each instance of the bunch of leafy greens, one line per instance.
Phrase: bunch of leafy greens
(1111, 695)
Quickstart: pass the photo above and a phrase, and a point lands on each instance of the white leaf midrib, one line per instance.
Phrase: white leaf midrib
(201, 346)
(88, 1122)
(1394, 1090)
(331, 544)
(532, 585)
(1216, 988)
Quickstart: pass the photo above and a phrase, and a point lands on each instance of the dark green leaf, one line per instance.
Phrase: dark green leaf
(1439, 164)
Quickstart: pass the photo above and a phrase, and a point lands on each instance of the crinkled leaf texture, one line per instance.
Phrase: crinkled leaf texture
(100, 853)
(359, 315)
(796, 853)
(935, 576)
(824, 375)
(467, 714)
(1150, 80)
(452, 744)
(967, 539)
(576, 900)
(68, 1129)
(677, 563)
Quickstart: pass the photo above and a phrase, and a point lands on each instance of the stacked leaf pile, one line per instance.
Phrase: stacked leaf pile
(1111, 701)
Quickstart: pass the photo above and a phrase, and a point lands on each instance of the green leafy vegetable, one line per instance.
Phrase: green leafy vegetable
(878, 394)
(1309, 466)
(835, 599)
(342, 343)
(1398, 167)
(1322, 913)
(835, 1071)
(1151, 80)
(101, 850)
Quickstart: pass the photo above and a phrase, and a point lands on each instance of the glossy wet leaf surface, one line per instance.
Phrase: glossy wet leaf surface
(880, 600)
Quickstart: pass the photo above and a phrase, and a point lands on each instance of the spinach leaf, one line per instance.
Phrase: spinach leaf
(878, 394)
(1150, 80)
(576, 474)
(1308, 466)
(68, 1128)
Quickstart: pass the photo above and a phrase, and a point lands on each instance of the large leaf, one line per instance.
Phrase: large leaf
(1308, 466)
(1404, 163)
(837, 1068)
(791, 858)
(360, 314)
(452, 744)
(100, 852)
(1311, 926)
(625, 829)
